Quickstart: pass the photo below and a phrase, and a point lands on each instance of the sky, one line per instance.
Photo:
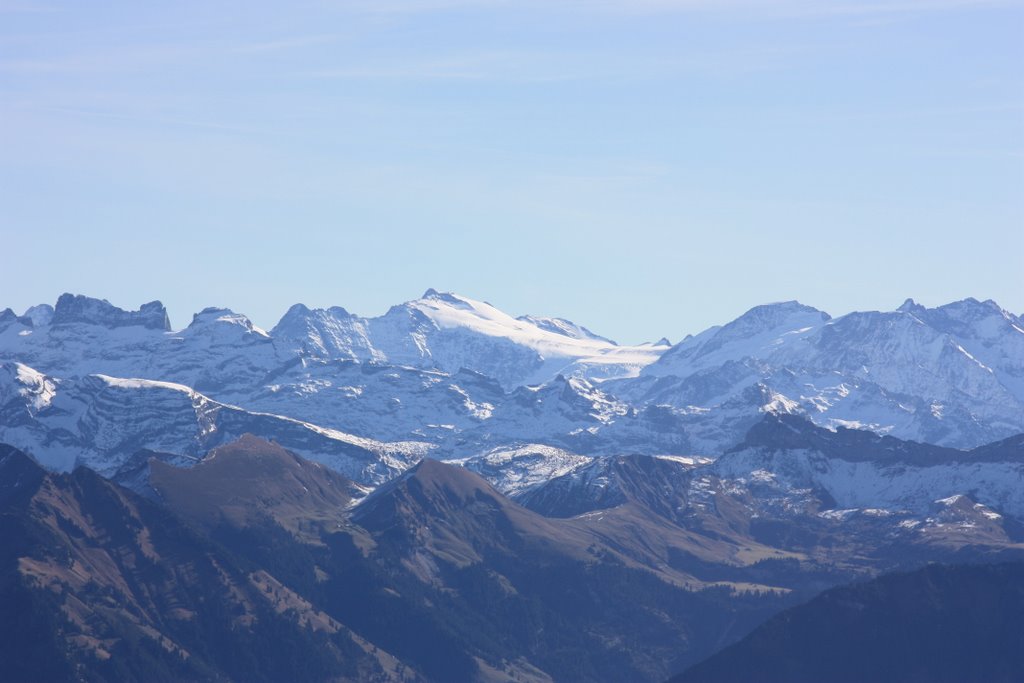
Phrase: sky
(646, 168)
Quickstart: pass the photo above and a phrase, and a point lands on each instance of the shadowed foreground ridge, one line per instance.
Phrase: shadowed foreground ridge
(941, 623)
(252, 566)
(99, 584)
(257, 564)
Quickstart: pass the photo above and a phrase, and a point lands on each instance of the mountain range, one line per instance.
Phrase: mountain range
(454, 377)
(447, 492)
(256, 564)
(251, 566)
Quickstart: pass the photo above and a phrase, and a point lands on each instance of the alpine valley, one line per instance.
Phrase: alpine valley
(450, 493)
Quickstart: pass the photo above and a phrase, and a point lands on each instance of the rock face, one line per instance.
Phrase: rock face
(72, 308)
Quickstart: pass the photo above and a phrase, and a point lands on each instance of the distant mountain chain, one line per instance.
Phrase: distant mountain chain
(534, 403)
(447, 492)
(454, 377)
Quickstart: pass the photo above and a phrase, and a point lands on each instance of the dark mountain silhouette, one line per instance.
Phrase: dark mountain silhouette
(260, 565)
(450, 576)
(958, 624)
(106, 586)
(251, 479)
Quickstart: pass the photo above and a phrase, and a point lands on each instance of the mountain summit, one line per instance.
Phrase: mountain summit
(448, 332)
(72, 308)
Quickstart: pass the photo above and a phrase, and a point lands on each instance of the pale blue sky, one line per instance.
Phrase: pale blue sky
(644, 167)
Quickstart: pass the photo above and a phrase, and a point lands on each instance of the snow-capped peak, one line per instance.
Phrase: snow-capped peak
(225, 319)
(760, 331)
(448, 331)
(447, 297)
(448, 310)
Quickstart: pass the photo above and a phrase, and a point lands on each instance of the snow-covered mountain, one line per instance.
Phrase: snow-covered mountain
(449, 332)
(219, 352)
(374, 399)
(835, 487)
(102, 421)
(756, 334)
(518, 469)
(428, 370)
(786, 457)
(952, 375)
